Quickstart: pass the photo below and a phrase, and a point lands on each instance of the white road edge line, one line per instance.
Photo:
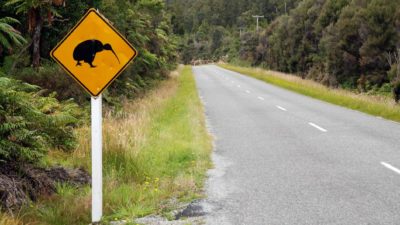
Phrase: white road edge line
(318, 127)
(387, 165)
(261, 98)
(281, 108)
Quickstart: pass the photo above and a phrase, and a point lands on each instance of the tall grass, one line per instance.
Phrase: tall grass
(6, 219)
(156, 153)
(382, 106)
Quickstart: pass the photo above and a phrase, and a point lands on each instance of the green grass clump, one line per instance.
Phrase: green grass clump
(382, 106)
(155, 150)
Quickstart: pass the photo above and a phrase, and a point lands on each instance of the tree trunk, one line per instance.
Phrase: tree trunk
(37, 31)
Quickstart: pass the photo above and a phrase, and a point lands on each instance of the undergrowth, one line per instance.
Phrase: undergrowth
(156, 153)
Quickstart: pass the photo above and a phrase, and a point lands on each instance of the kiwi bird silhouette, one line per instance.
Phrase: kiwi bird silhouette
(86, 51)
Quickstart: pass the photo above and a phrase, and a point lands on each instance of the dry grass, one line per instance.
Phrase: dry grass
(309, 83)
(126, 131)
(5, 219)
(382, 106)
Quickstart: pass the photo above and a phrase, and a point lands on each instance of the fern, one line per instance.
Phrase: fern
(30, 124)
(8, 35)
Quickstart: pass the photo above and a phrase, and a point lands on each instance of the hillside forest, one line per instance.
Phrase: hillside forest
(352, 44)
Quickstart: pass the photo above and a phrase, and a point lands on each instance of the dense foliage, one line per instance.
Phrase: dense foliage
(30, 123)
(336, 42)
(347, 43)
(32, 120)
(8, 35)
(145, 24)
(211, 29)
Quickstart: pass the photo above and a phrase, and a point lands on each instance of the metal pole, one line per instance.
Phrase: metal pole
(97, 168)
(257, 24)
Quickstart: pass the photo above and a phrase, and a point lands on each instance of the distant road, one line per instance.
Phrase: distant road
(284, 158)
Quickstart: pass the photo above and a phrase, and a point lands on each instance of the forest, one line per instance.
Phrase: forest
(352, 44)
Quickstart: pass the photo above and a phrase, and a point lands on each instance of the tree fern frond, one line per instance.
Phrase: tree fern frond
(9, 20)
(8, 35)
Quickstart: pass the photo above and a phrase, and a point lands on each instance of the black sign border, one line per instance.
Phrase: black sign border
(92, 10)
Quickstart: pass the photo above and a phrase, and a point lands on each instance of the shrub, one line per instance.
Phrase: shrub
(396, 91)
(52, 78)
(30, 123)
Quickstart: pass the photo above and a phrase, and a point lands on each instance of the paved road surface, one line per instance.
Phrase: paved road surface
(283, 158)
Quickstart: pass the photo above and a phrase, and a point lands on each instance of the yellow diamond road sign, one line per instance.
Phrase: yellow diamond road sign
(94, 53)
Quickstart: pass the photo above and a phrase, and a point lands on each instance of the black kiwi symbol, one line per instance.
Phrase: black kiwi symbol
(86, 51)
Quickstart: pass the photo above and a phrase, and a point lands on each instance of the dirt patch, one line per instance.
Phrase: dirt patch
(20, 184)
(77, 177)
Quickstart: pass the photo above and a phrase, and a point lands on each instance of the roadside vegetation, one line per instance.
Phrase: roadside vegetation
(348, 44)
(156, 154)
(377, 105)
(44, 114)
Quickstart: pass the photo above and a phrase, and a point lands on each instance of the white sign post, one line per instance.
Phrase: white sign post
(97, 168)
(76, 58)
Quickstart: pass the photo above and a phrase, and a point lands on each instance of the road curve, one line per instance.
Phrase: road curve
(284, 158)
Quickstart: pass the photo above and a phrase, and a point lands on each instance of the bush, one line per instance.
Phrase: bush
(30, 123)
(52, 78)
(396, 91)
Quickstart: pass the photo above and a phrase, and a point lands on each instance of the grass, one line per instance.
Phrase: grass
(156, 153)
(382, 106)
(6, 219)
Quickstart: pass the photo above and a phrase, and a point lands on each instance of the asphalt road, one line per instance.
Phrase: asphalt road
(284, 158)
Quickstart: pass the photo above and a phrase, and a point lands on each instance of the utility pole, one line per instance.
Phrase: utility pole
(258, 17)
(285, 8)
(240, 31)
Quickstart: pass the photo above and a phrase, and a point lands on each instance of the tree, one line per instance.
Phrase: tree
(36, 10)
(378, 35)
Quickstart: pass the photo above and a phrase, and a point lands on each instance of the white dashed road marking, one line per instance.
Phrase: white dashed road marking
(281, 108)
(318, 127)
(247, 91)
(390, 167)
(261, 98)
